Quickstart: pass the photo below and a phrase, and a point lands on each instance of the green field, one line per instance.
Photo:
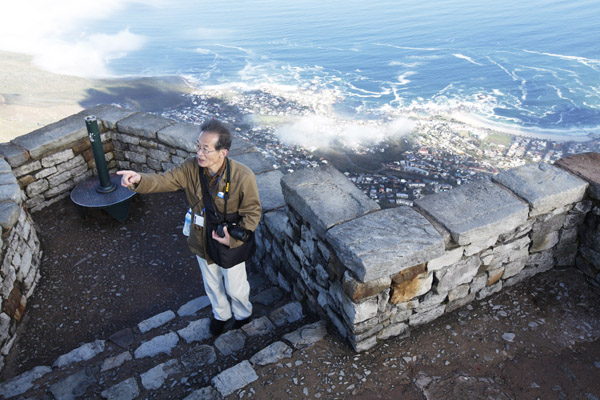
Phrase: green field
(499, 138)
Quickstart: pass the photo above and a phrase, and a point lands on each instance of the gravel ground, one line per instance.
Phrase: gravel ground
(535, 340)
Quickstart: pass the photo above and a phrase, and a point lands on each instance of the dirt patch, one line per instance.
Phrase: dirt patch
(100, 276)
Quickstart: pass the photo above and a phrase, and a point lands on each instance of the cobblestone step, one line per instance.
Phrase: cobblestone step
(173, 355)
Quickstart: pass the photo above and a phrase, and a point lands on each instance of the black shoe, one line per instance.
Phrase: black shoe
(216, 326)
(240, 322)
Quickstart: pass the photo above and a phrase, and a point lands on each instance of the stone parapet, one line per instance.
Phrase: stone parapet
(586, 166)
(376, 274)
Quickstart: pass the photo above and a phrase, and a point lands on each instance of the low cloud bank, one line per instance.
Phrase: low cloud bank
(321, 132)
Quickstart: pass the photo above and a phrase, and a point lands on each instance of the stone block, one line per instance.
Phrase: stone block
(255, 161)
(57, 158)
(134, 157)
(416, 285)
(286, 314)
(156, 321)
(198, 356)
(324, 197)
(457, 274)
(108, 115)
(155, 377)
(269, 188)
(159, 155)
(11, 192)
(27, 168)
(544, 242)
(271, 354)
(180, 135)
(196, 331)
(448, 258)
(544, 186)
(58, 179)
(392, 330)
(73, 386)
(426, 317)
(230, 342)
(53, 137)
(45, 172)
(125, 390)
(234, 378)
(475, 211)
(143, 124)
(357, 290)
(193, 306)
(14, 155)
(459, 292)
(489, 290)
(157, 345)
(586, 166)
(37, 187)
(494, 275)
(385, 242)
(9, 214)
(307, 335)
(22, 383)
(240, 145)
(82, 353)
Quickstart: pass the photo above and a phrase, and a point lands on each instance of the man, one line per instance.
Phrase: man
(240, 195)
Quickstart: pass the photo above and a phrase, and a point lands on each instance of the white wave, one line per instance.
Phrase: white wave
(588, 62)
(469, 59)
(408, 48)
(405, 64)
(203, 51)
(234, 47)
(368, 93)
(511, 74)
(402, 77)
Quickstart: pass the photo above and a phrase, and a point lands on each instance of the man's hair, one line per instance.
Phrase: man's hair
(218, 128)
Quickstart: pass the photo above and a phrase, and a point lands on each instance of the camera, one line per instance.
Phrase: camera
(235, 231)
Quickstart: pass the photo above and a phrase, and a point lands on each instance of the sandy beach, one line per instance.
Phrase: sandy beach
(31, 98)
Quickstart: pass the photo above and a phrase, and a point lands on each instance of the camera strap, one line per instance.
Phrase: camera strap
(209, 203)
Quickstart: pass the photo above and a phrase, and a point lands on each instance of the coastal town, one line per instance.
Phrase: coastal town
(438, 155)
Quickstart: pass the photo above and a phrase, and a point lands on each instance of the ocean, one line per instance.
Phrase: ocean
(526, 65)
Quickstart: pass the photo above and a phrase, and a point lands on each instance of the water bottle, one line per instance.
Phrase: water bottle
(188, 222)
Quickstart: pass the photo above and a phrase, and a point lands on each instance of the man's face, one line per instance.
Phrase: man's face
(206, 152)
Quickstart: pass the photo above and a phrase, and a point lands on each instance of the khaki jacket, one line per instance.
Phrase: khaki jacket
(243, 196)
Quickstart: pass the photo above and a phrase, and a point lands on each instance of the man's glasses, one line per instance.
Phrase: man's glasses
(204, 151)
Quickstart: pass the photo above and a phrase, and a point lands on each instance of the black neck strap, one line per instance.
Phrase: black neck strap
(208, 200)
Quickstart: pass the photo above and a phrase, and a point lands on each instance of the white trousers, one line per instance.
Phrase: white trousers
(220, 282)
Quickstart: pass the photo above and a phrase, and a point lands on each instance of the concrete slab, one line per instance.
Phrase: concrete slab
(475, 211)
(269, 189)
(544, 186)
(52, 137)
(181, 135)
(143, 124)
(255, 161)
(385, 242)
(585, 166)
(324, 197)
(108, 115)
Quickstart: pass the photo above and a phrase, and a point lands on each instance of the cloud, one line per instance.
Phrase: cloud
(321, 132)
(54, 33)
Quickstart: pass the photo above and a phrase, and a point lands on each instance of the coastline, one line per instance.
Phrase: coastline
(477, 122)
(31, 98)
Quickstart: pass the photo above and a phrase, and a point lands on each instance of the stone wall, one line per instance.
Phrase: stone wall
(586, 166)
(43, 167)
(376, 273)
